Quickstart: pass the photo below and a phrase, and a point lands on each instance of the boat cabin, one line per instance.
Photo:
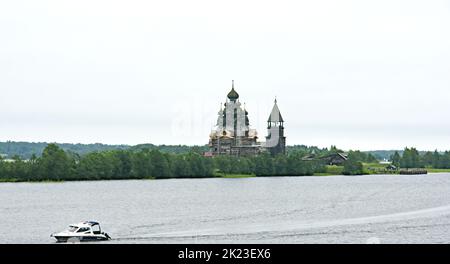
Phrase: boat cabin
(89, 227)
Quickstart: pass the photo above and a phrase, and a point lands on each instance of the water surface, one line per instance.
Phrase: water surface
(337, 209)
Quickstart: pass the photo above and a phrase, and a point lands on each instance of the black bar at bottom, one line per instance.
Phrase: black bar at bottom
(223, 253)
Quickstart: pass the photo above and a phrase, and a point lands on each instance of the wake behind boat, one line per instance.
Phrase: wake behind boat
(84, 231)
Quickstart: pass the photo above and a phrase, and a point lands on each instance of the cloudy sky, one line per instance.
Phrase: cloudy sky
(356, 74)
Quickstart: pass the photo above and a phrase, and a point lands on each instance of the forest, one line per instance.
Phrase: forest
(56, 164)
(412, 158)
(25, 150)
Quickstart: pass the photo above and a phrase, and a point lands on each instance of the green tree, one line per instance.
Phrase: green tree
(160, 164)
(122, 163)
(395, 159)
(410, 158)
(54, 163)
(280, 165)
(180, 166)
(436, 163)
(334, 149)
(223, 164)
(96, 166)
(19, 169)
(243, 166)
(208, 166)
(263, 165)
(197, 168)
(141, 166)
(371, 158)
(444, 160)
(352, 167)
(427, 159)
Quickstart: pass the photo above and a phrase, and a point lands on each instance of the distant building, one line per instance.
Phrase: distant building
(233, 135)
(334, 158)
(385, 162)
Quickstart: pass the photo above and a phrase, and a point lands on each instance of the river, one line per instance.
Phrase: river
(322, 209)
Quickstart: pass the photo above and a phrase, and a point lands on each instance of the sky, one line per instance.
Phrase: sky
(362, 75)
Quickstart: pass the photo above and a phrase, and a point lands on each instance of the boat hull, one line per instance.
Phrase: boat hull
(63, 239)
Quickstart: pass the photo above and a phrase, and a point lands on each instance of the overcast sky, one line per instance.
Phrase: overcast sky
(357, 74)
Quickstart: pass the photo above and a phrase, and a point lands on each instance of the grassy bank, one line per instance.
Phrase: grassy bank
(19, 180)
(9, 180)
(331, 170)
(431, 170)
(334, 170)
(238, 175)
(216, 175)
(324, 174)
(232, 175)
(71, 180)
(377, 168)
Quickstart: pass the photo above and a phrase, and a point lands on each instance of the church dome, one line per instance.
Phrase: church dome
(233, 95)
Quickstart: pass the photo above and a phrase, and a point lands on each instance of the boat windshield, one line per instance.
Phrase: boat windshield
(72, 228)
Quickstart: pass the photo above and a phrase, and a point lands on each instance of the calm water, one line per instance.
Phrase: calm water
(338, 209)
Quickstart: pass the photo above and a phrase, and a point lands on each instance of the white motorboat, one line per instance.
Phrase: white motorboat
(84, 231)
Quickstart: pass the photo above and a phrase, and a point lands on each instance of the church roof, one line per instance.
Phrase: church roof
(233, 95)
(275, 115)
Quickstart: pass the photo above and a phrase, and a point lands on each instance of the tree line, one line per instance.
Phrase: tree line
(55, 164)
(25, 150)
(266, 165)
(411, 158)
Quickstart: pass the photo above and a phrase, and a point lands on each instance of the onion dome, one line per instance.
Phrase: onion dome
(233, 95)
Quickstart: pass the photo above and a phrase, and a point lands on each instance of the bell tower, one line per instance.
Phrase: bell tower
(275, 140)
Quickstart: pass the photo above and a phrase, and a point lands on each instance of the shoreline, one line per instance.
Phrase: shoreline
(227, 176)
